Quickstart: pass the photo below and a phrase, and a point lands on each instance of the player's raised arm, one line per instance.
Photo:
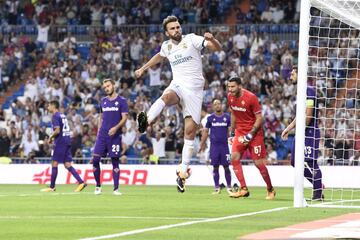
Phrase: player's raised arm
(213, 44)
(153, 61)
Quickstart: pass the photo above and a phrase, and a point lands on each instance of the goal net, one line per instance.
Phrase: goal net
(329, 64)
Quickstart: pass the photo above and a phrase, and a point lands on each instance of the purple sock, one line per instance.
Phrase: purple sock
(227, 176)
(75, 174)
(115, 172)
(54, 173)
(97, 170)
(315, 177)
(308, 175)
(317, 185)
(216, 176)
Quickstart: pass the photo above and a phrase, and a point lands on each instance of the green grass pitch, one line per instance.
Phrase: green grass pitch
(26, 213)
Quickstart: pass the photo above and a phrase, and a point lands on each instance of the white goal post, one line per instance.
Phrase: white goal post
(329, 58)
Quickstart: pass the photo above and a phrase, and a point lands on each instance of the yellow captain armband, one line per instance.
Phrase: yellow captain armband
(310, 102)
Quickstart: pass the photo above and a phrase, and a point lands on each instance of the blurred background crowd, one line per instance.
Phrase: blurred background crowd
(64, 49)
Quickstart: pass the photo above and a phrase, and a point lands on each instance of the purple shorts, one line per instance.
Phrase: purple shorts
(219, 155)
(62, 153)
(108, 146)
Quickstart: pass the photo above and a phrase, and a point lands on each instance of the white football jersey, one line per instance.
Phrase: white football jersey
(185, 60)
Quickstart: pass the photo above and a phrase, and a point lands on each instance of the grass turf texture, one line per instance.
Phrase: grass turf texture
(26, 213)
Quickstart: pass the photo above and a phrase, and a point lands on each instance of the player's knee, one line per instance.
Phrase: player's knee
(216, 167)
(67, 165)
(169, 98)
(54, 163)
(235, 157)
(190, 130)
(96, 161)
(259, 162)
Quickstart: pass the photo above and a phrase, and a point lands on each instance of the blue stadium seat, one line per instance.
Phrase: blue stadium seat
(254, 28)
(154, 29)
(264, 28)
(82, 30)
(294, 28)
(293, 44)
(284, 28)
(274, 28)
(84, 50)
(30, 30)
(191, 16)
(247, 28)
(86, 151)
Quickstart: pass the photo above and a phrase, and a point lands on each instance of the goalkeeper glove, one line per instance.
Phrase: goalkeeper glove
(231, 138)
(247, 138)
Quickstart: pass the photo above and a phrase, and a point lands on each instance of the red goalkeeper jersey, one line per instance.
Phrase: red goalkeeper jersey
(244, 108)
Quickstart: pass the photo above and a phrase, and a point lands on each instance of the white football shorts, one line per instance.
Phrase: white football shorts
(190, 100)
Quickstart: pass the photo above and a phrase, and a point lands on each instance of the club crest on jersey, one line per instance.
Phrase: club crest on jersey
(243, 102)
(184, 45)
(116, 103)
(224, 119)
(169, 47)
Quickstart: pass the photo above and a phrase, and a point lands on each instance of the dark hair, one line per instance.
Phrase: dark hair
(235, 79)
(169, 19)
(216, 99)
(55, 104)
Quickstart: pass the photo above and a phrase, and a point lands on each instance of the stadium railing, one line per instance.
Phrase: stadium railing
(86, 32)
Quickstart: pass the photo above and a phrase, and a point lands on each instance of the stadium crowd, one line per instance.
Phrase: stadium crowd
(114, 13)
(58, 70)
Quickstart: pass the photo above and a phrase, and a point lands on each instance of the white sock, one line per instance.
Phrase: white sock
(187, 153)
(155, 110)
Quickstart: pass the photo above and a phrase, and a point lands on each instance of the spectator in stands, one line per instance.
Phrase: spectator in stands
(69, 41)
(29, 146)
(43, 36)
(158, 143)
(5, 143)
(144, 147)
(128, 79)
(155, 81)
(240, 41)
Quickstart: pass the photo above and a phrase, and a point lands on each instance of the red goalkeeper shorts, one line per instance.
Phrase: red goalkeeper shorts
(256, 147)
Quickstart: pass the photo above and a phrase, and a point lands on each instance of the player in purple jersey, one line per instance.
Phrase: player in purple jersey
(312, 170)
(114, 113)
(62, 147)
(218, 124)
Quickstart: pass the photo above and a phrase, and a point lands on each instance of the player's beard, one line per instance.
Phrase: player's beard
(176, 37)
(110, 93)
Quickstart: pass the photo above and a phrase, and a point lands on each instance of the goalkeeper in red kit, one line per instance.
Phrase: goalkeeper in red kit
(247, 133)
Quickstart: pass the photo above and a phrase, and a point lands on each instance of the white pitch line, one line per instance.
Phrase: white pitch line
(99, 217)
(133, 232)
(44, 194)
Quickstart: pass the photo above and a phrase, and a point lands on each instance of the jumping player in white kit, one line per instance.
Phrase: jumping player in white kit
(186, 88)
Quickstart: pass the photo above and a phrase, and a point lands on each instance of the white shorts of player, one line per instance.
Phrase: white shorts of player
(190, 100)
